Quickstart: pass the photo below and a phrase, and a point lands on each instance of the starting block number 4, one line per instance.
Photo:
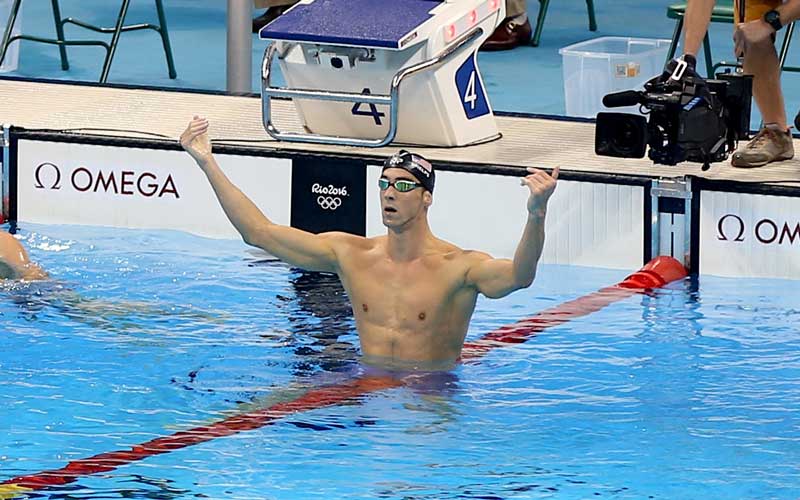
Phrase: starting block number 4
(470, 90)
(372, 110)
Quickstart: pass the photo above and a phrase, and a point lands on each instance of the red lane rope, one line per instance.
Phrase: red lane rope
(655, 274)
(105, 462)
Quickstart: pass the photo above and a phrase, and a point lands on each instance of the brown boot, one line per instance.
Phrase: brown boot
(770, 144)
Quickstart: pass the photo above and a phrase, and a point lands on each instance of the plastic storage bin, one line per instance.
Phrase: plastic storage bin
(12, 55)
(600, 66)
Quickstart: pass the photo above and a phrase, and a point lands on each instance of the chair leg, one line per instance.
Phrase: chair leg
(62, 49)
(709, 59)
(12, 19)
(537, 34)
(162, 30)
(123, 11)
(787, 39)
(592, 19)
(676, 35)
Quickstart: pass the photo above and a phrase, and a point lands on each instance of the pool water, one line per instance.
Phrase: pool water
(689, 392)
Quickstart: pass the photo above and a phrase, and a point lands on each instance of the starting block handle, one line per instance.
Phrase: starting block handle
(392, 100)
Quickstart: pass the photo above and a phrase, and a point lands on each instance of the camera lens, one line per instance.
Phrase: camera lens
(336, 63)
(621, 135)
(626, 138)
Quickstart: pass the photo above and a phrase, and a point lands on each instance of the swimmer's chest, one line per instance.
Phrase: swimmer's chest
(415, 288)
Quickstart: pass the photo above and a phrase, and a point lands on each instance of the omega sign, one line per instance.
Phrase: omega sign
(329, 197)
(118, 182)
(731, 227)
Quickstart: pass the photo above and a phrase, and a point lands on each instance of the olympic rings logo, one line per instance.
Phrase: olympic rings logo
(329, 202)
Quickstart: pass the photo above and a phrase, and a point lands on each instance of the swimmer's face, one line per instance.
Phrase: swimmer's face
(399, 208)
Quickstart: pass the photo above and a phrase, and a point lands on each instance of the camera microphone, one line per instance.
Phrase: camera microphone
(624, 98)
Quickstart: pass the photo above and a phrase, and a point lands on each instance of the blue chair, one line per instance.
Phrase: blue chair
(110, 48)
(543, 4)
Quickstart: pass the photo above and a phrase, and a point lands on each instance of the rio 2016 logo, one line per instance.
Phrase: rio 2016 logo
(731, 227)
(330, 197)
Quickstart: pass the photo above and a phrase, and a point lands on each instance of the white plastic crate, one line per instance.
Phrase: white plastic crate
(608, 64)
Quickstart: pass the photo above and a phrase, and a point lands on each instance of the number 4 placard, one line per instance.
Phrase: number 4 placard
(470, 89)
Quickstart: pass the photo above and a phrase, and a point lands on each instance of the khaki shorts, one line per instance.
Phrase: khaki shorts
(755, 9)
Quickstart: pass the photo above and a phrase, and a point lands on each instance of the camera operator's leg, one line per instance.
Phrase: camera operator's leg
(761, 61)
(773, 142)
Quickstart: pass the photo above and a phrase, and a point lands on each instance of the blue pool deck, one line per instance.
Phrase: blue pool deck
(524, 80)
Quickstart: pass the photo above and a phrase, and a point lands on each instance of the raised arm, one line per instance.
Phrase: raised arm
(497, 278)
(299, 248)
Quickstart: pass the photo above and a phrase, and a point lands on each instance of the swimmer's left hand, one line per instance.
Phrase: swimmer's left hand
(542, 186)
(195, 139)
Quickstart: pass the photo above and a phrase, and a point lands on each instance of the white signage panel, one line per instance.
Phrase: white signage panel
(749, 235)
(63, 183)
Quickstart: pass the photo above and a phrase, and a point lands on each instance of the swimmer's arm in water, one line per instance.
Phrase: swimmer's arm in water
(497, 278)
(299, 248)
(89, 309)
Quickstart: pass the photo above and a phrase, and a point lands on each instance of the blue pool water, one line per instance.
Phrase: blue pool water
(692, 392)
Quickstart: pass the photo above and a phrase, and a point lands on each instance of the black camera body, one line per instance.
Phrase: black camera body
(690, 119)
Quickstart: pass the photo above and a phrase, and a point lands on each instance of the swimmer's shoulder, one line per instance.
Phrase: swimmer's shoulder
(453, 254)
(14, 261)
(345, 241)
(11, 251)
(451, 251)
(7, 238)
(471, 258)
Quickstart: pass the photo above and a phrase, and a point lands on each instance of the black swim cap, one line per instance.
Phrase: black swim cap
(414, 164)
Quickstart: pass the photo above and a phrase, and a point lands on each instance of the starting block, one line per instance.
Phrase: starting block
(372, 72)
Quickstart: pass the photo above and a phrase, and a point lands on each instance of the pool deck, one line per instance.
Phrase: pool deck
(134, 114)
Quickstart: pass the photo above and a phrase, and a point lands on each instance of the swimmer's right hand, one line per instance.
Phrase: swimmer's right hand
(195, 139)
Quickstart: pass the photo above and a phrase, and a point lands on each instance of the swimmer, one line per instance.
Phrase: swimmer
(412, 293)
(15, 263)
(28, 285)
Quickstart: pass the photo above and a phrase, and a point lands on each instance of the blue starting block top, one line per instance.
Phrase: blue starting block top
(358, 23)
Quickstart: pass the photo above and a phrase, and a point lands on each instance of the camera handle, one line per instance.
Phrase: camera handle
(680, 69)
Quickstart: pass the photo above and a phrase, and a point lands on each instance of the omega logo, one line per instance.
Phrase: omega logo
(731, 227)
(124, 182)
(54, 172)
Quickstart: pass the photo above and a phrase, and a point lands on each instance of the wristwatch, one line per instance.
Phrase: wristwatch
(773, 18)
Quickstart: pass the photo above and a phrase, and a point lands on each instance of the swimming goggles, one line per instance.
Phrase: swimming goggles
(400, 185)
